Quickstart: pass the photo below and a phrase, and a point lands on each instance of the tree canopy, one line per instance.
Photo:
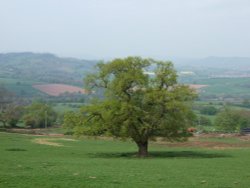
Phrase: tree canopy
(39, 115)
(6, 100)
(230, 120)
(142, 100)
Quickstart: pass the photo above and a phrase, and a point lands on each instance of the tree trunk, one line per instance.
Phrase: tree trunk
(142, 149)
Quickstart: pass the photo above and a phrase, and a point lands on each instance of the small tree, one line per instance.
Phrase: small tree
(6, 98)
(208, 110)
(137, 104)
(202, 121)
(13, 114)
(232, 120)
(246, 103)
(39, 115)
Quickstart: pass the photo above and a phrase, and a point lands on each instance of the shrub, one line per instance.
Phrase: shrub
(232, 120)
(202, 121)
(208, 110)
(38, 114)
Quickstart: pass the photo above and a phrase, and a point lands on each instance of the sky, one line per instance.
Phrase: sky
(102, 29)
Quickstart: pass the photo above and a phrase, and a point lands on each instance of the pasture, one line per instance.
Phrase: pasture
(226, 87)
(42, 161)
(21, 88)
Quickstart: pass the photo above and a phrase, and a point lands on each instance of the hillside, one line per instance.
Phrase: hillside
(226, 78)
(44, 67)
(216, 67)
(49, 68)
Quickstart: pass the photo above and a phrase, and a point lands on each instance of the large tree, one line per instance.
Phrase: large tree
(142, 100)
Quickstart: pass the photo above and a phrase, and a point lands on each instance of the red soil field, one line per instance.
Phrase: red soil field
(57, 89)
(197, 86)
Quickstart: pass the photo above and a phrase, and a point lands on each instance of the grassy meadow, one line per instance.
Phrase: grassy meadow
(226, 87)
(19, 87)
(40, 161)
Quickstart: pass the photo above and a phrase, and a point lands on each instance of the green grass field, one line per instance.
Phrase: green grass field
(230, 87)
(66, 107)
(21, 88)
(106, 163)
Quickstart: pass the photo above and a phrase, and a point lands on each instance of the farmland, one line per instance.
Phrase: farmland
(30, 77)
(59, 161)
(106, 163)
(19, 71)
(19, 87)
(125, 94)
(236, 88)
(58, 89)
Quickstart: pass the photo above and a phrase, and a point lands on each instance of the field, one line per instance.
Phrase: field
(197, 86)
(66, 107)
(238, 88)
(20, 87)
(32, 161)
(57, 89)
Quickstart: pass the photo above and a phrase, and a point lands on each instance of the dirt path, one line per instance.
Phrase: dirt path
(51, 141)
(221, 141)
(206, 144)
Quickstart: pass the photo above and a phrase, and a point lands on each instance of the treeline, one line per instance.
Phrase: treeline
(15, 111)
(226, 119)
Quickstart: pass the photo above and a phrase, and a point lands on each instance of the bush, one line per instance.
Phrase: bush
(202, 121)
(14, 115)
(208, 110)
(232, 120)
(38, 114)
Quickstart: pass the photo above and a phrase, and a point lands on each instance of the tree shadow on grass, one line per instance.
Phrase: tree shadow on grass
(15, 149)
(162, 154)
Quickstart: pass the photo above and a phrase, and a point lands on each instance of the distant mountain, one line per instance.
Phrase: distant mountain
(215, 67)
(49, 68)
(44, 67)
(235, 63)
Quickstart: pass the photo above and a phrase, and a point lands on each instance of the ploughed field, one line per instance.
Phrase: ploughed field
(60, 161)
(197, 86)
(57, 89)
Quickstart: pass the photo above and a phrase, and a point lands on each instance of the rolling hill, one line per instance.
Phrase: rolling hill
(44, 67)
(20, 71)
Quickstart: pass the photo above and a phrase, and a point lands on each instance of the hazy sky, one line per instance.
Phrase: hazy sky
(115, 28)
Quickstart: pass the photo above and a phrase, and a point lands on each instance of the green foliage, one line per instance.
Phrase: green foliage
(38, 114)
(13, 114)
(232, 120)
(71, 120)
(203, 121)
(208, 110)
(9, 112)
(136, 105)
(245, 103)
(224, 89)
